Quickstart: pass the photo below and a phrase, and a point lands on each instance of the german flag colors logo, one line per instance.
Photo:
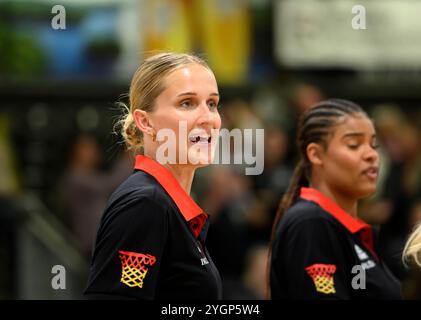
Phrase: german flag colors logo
(134, 267)
(322, 275)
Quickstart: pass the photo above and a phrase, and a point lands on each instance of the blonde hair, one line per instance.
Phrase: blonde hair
(413, 246)
(146, 85)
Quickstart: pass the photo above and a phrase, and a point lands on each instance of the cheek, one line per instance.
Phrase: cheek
(171, 120)
(218, 121)
(345, 163)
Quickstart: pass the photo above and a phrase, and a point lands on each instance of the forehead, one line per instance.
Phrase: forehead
(193, 76)
(356, 123)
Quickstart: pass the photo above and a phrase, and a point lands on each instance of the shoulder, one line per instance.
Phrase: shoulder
(139, 199)
(307, 225)
(308, 217)
(304, 210)
(140, 187)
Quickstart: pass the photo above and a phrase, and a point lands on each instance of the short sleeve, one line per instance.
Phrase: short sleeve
(129, 252)
(314, 262)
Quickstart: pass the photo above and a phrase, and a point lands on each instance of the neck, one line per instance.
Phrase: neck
(183, 174)
(350, 206)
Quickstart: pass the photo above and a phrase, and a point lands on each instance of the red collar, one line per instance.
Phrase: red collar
(193, 214)
(354, 225)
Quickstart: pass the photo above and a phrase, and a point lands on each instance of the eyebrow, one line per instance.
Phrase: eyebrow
(356, 134)
(195, 94)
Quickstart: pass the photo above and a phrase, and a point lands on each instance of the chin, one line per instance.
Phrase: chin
(367, 191)
(200, 161)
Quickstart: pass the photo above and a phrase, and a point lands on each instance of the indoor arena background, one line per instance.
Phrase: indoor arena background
(59, 158)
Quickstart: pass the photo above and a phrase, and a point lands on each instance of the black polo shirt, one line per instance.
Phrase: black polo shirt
(316, 249)
(150, 242)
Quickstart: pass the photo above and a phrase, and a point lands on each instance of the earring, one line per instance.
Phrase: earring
(153, 136)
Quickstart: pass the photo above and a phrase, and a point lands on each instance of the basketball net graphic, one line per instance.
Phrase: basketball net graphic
(134, 268)
(322, 275)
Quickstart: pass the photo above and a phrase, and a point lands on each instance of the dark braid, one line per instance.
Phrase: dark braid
(314, 126)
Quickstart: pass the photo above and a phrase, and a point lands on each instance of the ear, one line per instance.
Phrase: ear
(143, 121)
(315, 153)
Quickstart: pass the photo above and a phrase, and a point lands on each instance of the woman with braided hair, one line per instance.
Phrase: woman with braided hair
(319, 248)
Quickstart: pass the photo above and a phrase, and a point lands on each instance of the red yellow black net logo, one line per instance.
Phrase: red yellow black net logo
(322, 275)
(134, 267)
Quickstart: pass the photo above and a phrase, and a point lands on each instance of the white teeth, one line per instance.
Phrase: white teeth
(202, 139)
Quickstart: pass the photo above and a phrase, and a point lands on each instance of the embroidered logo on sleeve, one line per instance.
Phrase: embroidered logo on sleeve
(134, 267)
(322, 275)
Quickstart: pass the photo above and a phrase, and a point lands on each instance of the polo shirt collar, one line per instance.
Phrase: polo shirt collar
(354, 225)
(191, 212)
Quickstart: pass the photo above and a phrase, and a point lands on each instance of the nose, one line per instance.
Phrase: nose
(206, 116)
(371, 154)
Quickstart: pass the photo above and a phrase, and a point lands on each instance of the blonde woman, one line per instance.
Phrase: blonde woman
(413, 246)
(150, 242)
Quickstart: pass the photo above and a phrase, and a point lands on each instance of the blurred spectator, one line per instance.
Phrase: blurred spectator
(270, 185)
(227, 200)
(399, 183)
(250, 285)
(305, 96)
(401, 187)
(255, 271)
(85, 188)
(301, 97)
(270, 105)
(240, 115)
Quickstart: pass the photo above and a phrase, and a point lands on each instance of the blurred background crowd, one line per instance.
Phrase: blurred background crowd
(60, 158)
